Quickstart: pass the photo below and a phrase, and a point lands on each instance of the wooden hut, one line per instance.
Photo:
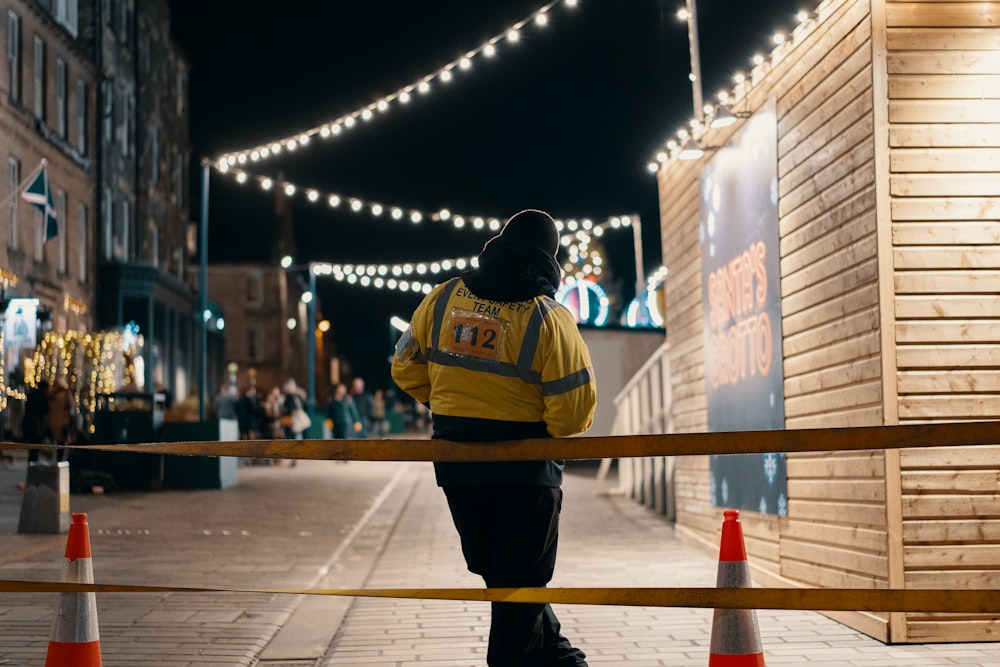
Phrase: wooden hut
(887, 153)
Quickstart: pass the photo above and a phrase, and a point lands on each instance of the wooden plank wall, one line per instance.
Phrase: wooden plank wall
(943, 61)
(835, 534)
(836, 531)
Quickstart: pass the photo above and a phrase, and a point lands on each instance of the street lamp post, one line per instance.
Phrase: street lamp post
(309, 299)
(311, 343)
(690, 14)
(203, 294)
(640, 275)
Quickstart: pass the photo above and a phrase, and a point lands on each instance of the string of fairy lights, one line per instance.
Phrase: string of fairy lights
(684, 145)
(579, 227)
(576, 235)
(538, 19)
(686, 142)
(583, 258)
(406, 277)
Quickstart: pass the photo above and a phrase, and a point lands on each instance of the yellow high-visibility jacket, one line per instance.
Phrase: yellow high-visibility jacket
(525, 361)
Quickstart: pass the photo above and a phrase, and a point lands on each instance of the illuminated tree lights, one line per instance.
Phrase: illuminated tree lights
(445, 75)
(89, 364)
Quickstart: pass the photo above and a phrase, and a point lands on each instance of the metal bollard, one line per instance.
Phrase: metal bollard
(45, 507)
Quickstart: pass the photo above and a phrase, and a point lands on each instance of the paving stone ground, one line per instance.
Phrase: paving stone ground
(377, 525)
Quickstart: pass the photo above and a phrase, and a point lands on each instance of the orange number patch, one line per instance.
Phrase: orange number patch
(474, 335)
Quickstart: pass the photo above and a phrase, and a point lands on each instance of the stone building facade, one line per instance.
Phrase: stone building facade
(46, 113)
(99, 90)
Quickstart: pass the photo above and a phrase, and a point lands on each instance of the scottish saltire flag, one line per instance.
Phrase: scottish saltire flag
(39, 194)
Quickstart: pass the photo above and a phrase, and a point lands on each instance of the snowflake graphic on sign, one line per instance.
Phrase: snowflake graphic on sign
(770, 467)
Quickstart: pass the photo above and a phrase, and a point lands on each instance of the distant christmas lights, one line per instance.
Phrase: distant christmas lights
(405, 276)
(423, 86)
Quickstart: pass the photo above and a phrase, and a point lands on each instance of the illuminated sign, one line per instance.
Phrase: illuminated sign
(20, 327)
(741, 309)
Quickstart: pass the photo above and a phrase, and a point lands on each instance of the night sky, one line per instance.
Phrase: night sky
(565, 120)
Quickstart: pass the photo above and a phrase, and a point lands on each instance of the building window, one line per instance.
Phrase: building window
(15, 180)
(14, 57)
(123, 21)
(81, 116)
(109, 224)
(181, 85)
(179, 262)
(253, 344)
(108, 93)
(66, 15)
(62, 226)
(81, 244)
(154, 244)
(39, 79)
(61, 97)
(144, 52)
(126, 121)
(154, 154)
(125, 237)
(255, 290)
(179, 177)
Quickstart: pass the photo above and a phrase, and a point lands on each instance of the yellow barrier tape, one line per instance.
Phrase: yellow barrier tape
(803, 599)
(587, 447)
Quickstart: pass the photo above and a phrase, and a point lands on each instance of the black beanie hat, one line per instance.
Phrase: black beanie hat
(533, 228)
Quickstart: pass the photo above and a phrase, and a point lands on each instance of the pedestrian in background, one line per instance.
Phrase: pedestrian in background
(225, 402)
(60, 417)
(246, 414)
(495, 357)
(379, 425)
(293, 414)
(363, 402)
(342, 412)
(35, 423)
(271, 414)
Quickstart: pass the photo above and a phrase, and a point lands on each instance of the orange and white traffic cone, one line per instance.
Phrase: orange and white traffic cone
(74, 640)
(735, 635)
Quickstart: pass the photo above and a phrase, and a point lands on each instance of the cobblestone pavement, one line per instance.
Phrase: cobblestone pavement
(378, 525)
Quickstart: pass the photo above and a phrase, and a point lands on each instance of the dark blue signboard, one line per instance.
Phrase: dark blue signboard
(741, 303)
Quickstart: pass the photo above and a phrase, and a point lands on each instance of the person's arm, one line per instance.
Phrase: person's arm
(409, 363)
(569, 388)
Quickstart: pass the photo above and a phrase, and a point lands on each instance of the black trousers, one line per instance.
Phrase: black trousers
(509, 535)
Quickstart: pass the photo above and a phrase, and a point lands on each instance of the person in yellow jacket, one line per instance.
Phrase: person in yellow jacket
(495, 357)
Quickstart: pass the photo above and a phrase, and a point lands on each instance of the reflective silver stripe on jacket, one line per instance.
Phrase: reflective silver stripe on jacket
(440, 308)
(472, 364)
(566, 384)
(532, 334)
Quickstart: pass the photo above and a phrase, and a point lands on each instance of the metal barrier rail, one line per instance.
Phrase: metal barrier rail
(803, 599)
(950, 434)
(743, 442)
